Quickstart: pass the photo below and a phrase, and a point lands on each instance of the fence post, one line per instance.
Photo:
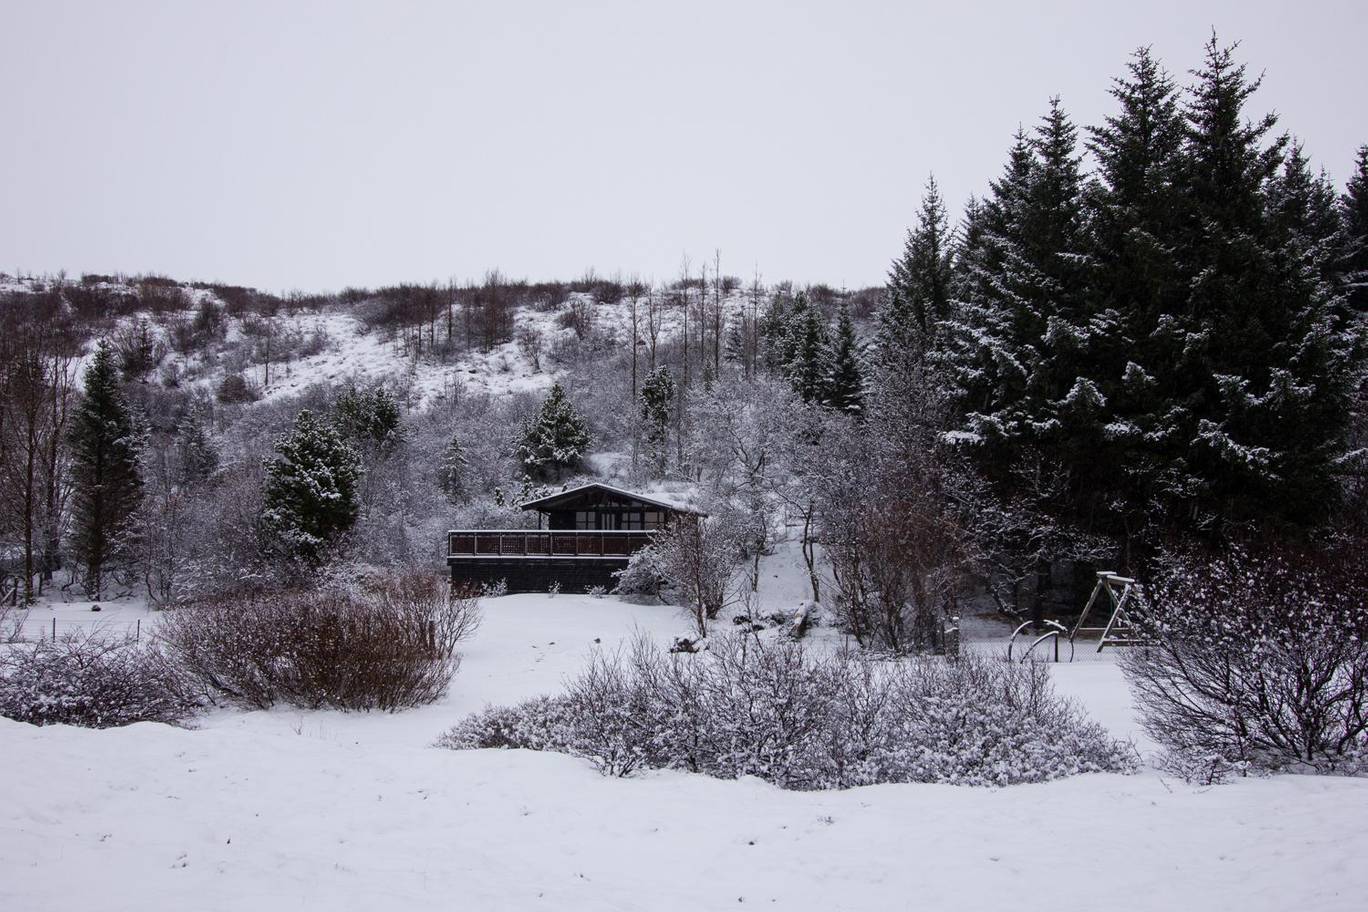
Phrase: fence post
(137, 631)
(54, 630)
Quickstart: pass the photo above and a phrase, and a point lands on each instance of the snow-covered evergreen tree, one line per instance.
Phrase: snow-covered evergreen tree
(310, 496)
(1020, 334)
(1168, 340)
(805, 351)
(774, 324)
(1354, 217)
(1264, 373)
(197, 458)
(919, 284)
(906, 399)
(370, 417)
(451, 474)
(106, 444)
(1136, 283)
(657, 403)
(555, 440)
(845, 382)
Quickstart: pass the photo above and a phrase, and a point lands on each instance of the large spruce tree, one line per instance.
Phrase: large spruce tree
(106, 443)
(1170, 342)
(1135, 281)
(1354, 254)
(1261, 380)
(1019, 339)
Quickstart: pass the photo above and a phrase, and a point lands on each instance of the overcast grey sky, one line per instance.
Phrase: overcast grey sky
(317, 145)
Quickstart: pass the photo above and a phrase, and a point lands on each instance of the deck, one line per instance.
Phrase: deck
(559, 544)
(536, 560)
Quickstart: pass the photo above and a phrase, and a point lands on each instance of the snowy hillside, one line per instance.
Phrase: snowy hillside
(336, 345)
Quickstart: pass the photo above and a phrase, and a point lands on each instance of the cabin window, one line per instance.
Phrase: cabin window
(585, 519)
(631, 520)
(654, 519)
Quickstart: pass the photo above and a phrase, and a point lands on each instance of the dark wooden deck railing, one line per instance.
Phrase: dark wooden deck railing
(472, 543)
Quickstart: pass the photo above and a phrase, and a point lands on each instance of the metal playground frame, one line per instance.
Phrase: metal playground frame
(1118, 631)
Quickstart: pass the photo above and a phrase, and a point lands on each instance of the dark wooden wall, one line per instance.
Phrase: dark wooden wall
(574, 575)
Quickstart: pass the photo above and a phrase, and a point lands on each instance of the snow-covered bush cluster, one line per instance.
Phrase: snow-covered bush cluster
(390, 647)
(1259, 662)
(643, 577)
(94, 681)
(751, 707)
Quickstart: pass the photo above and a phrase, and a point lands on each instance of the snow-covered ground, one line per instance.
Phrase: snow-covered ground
(53, 616)
(291, 810)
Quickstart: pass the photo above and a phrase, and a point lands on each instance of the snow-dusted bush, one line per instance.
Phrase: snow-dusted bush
(235, 388)
(751, 707)
(92, 680)
(542, 723)
(391, 647)
(643, 576)
(1259, 662)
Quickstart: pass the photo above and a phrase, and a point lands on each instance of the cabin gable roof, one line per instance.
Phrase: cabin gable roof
(568, 500)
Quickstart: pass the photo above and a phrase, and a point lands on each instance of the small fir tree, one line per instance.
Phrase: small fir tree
(197, 458)
(451, 475)
(845, 380)
(657, 401)
(310, 493)
(370, 417)
(805, 351)
(555, 440)
(106, 444)
(774, 323)
(919, 283)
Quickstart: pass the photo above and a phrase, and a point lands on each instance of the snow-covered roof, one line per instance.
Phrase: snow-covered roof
(652, 499)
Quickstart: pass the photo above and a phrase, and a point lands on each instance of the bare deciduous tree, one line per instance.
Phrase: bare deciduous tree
(699, 557)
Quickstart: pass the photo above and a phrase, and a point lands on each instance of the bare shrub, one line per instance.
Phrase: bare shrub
(895, 548)
(92, 680)
(530, 344)
(390, 647)
(1259, 662)
(578, 316)
(12, 618)
(746, 706)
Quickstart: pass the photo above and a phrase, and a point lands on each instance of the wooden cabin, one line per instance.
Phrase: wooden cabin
(583, 536)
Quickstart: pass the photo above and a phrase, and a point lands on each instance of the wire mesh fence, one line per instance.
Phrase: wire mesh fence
(33, 626)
